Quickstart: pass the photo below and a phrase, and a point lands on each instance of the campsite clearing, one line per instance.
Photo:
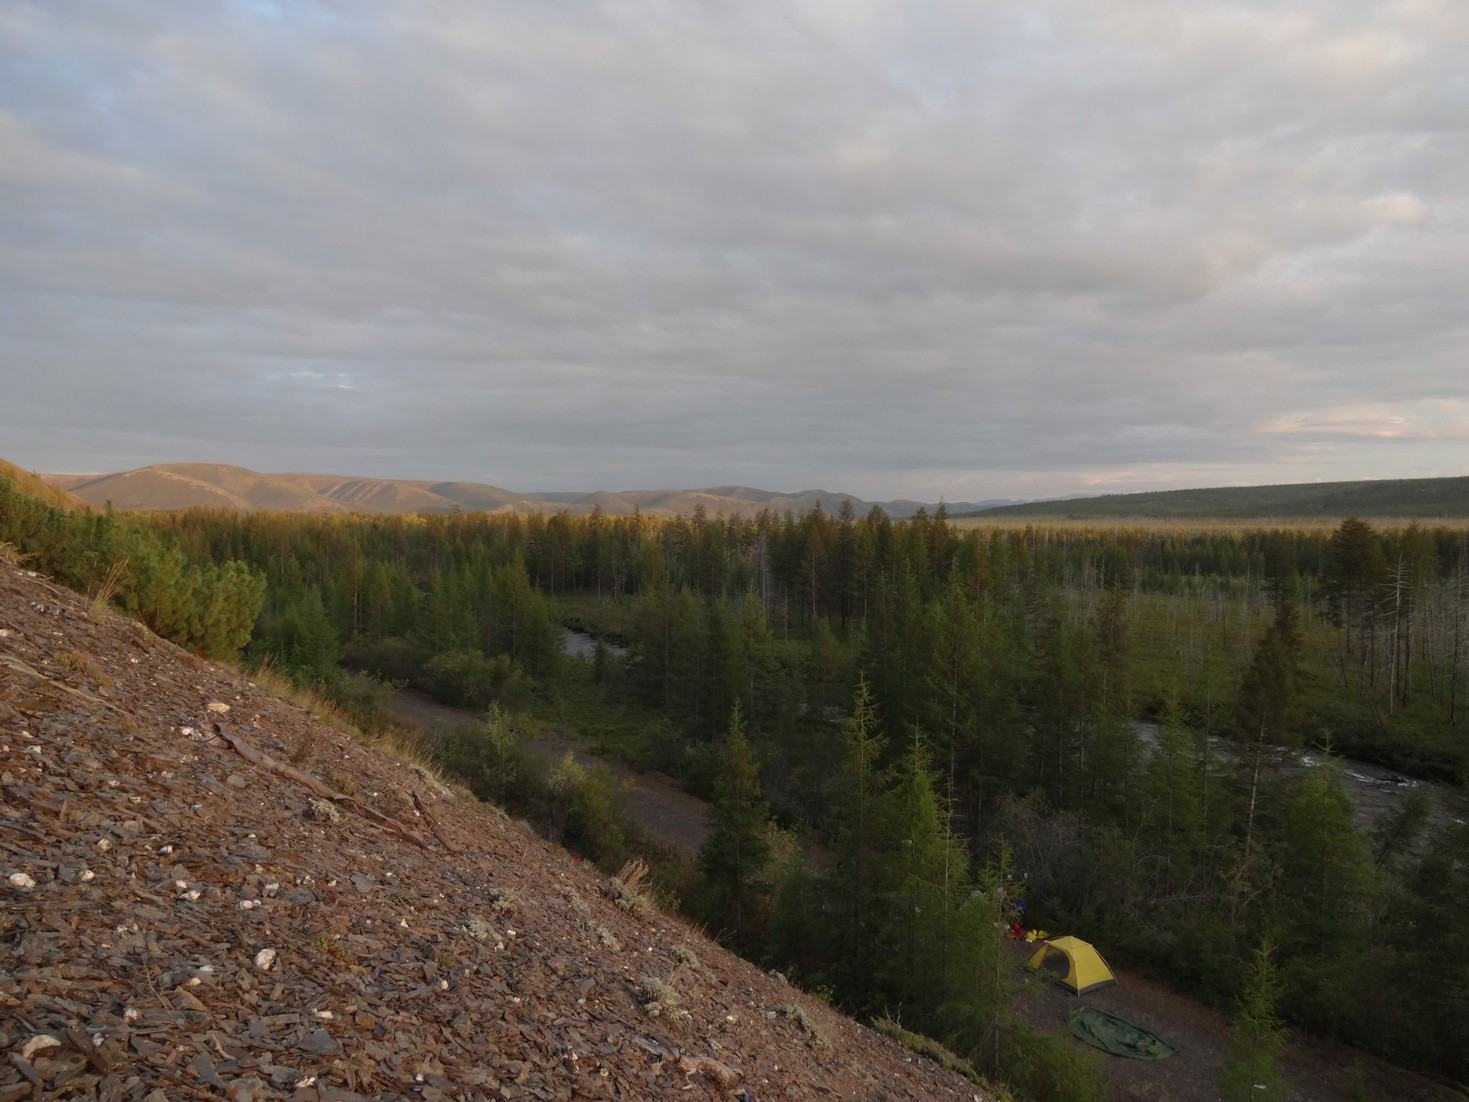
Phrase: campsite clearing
(1319, 1071)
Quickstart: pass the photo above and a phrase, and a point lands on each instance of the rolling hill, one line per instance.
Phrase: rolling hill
(37, 486)
(168, 486)
(1387, 498)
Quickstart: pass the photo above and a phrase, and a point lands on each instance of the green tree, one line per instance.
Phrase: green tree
(930, 877)
(1264, 719)
(1430, 924)
(520, 623)
(734, 861)
(584, 812)
(977, 1016)
(1354, 568)
(1251, 1071)
(1326, 887)
(859, 884)
(1173, 805)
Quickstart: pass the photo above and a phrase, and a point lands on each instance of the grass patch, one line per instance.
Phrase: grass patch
(341, 782)
(927, 1046)
(109, 585)
(628, 889)
(378, 729)
(78, 662)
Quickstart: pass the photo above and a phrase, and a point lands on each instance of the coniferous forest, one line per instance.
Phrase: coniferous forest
(907, 727)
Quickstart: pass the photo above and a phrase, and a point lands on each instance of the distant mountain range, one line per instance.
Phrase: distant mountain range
(215, 485)
(168, 486)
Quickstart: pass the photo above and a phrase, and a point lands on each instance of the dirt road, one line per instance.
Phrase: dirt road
(674, 819)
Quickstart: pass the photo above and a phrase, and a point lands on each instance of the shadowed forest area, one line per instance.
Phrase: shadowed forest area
(905, 729)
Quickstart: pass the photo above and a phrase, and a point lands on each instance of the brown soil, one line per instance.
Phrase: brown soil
(248, 904)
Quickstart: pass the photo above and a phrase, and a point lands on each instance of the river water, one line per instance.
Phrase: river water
(1376, 792)
(580, 644)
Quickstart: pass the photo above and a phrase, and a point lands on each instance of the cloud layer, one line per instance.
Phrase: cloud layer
(958, 250)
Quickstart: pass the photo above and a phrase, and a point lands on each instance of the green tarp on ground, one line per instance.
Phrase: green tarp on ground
(1117, 1035)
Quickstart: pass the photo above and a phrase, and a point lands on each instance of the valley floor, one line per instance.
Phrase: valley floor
(1319, 1071)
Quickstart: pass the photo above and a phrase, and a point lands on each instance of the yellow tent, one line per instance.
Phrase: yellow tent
(1074, 964)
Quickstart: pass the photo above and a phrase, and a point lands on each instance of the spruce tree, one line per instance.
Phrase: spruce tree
(1264, 716)
(734, 860)
(930, 873)
(859, 880)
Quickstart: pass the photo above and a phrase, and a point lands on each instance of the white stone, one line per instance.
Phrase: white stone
(39, 1043)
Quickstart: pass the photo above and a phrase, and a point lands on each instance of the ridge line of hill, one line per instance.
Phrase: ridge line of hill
(1438, 498)
(170, 486)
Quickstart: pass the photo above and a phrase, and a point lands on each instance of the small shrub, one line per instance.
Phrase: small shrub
(330, 946)
(686, 956)
(584, 812)
(504, 901)
(479, 929)
(1049, 1067)
(803, 1021)
(658, 1000)
(578, 904)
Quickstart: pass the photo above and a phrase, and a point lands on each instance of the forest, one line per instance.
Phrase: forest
(907, 727)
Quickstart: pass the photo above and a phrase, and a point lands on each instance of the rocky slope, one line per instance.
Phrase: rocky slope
(206, 893)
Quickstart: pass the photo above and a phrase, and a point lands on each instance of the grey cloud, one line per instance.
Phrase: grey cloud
(957, 249)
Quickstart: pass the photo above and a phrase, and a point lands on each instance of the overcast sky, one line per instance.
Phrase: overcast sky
(955, 250)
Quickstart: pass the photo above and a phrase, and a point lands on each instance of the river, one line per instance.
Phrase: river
(679, 821)
(1376, 792)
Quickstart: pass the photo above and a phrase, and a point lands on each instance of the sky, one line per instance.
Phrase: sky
(941, 250)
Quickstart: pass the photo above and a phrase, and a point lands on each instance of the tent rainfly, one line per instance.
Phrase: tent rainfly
(1074, 964)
